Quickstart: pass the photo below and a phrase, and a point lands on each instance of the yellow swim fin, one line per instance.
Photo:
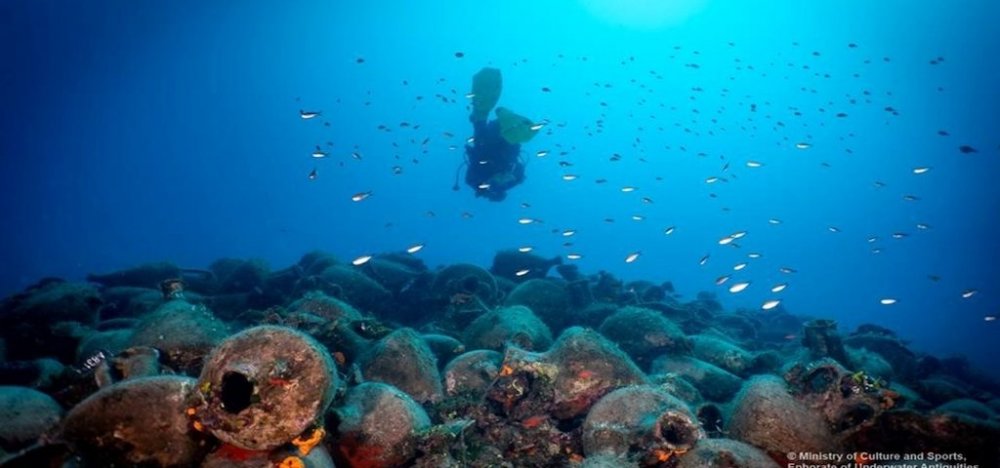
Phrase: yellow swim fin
(486, 87)
(516, 129)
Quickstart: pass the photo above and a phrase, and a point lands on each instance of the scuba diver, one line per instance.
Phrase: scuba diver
(493, 160)
(494, 165)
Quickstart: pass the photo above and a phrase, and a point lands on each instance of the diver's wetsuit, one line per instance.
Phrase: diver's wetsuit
(493, 162)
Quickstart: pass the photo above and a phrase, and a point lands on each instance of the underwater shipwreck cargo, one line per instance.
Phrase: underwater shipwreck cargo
(712, 382)
(515, 324)
(644, 334)
(135, 423)
(317, 381)
(377, 425)
(725, 453)
(547, 298)
(404, 360)
(765, 415)
(48, 319)
(27, 415)
(184, 333)
(643, 422)
(263, 387)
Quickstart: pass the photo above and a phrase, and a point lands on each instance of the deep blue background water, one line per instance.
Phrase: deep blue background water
(141, 131)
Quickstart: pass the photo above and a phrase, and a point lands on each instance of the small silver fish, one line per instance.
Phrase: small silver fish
(361, 260)
(306, 115)
(739, 287)
(361, 196)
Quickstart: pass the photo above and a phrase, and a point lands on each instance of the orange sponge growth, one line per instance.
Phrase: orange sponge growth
(292, 462)
(306, 444)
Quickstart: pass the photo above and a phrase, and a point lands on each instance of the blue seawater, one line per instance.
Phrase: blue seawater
(145, 131)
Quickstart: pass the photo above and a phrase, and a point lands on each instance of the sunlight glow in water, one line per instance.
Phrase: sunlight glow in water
(644, 14)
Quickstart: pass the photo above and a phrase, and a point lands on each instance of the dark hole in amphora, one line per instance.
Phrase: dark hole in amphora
(237, 391)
